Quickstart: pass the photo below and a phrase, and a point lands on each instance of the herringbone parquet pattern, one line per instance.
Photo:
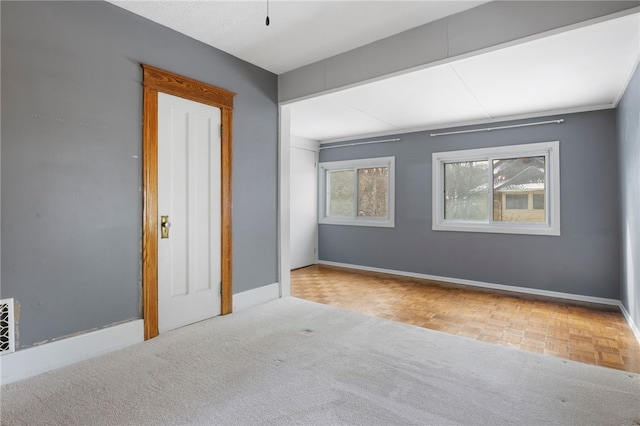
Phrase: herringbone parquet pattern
(589, 333)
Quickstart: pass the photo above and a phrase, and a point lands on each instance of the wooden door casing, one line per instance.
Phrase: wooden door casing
(156, 80)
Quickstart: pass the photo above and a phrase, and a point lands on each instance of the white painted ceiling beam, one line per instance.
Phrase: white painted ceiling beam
(478, 30)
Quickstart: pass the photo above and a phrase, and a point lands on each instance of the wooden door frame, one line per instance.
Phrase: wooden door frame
(157, 80)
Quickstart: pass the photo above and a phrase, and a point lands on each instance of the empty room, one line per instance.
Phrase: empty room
(320, 212)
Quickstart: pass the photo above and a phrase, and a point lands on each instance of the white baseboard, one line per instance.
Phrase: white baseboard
(632, 324)
(255, 296)
(525, 290)
(39, 359)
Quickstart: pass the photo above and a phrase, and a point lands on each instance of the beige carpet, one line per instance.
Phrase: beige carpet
(296, 362)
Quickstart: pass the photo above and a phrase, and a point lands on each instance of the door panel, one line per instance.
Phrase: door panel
(189, 186)
(304, 210)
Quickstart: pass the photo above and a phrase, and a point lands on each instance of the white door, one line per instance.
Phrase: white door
(189, 185)
(304, 210)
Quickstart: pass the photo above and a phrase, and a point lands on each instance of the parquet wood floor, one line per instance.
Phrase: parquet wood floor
(589, 333)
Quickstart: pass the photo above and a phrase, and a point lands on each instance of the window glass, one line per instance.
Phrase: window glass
(372, 191)
(514, 182)
(513, 202)
(538, 201)
(341, 193)
(465, 190)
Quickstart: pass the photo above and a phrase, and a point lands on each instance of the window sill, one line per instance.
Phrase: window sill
(350, 222)
(503, 228)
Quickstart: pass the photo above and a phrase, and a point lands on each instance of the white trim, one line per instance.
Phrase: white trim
(256, 296)
(354, 220)
(284, 201)
(632, 324)
(551, 152)
(525, 290)
(623, 90)
(40, 359)
(304, 143)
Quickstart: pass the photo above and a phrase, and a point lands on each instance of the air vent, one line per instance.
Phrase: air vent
(7, 341)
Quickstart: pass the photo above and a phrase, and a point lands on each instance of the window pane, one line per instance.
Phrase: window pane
(341, 193)
(515, 180)
(517, 201)
(465, 186)
(372, 192)
(538, 201)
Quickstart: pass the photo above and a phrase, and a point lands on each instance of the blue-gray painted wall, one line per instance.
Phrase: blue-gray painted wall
(584, 260)
(72, 153)
(629, 151)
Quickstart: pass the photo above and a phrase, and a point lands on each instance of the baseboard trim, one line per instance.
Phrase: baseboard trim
(632, 324)
(256, 296)
(525, 290)
(40, 359)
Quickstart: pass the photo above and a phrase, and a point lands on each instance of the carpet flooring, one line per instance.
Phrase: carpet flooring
(292, 361)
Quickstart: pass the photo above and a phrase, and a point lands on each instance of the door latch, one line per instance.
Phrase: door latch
(164, 226)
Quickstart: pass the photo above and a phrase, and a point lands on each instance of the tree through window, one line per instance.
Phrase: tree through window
(357, 192)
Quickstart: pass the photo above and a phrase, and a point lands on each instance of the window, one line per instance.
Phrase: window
(512, 189)
(517, 201)
(357, 192)
(538, 201)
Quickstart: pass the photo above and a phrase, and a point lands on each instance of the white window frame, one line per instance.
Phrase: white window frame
(365, 163)
(551, 152)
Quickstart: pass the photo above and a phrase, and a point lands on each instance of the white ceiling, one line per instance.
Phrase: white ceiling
(301, 32)
(585, 68)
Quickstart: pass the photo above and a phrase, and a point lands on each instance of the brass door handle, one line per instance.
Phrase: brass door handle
(164, 226)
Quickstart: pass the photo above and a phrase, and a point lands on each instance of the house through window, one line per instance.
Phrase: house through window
(511, 189)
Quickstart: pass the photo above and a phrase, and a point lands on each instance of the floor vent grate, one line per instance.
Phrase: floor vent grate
(7, 341)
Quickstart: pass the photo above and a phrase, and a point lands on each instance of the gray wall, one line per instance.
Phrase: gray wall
(583, 260)
(629, 152)
(71, 161)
